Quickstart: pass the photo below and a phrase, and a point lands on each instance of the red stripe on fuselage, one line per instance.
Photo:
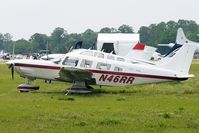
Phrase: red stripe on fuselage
(38, 66)
(104, 72)
(137, 75)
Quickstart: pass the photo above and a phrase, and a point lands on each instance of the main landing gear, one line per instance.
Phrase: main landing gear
(27, 86)
(79, 87)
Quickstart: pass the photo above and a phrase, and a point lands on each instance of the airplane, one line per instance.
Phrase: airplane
(85, 67)
(127, 45)
(51, 56)
(170, 45)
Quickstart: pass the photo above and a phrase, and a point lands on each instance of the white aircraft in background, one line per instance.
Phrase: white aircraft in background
(127, 45)
(84, 67)
(52, 56)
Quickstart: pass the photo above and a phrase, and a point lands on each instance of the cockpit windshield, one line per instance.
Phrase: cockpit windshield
(56, 61)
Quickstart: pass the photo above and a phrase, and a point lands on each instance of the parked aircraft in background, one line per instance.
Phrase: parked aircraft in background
(127, 45)
(52, 56)
(84, 67)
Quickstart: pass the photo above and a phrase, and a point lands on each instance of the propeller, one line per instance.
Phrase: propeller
(11, 66)
(12, 70)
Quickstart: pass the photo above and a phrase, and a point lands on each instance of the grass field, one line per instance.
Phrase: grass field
(167, 107)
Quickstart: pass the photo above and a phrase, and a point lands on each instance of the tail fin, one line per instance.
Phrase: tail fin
(181, 56)
(181, 38)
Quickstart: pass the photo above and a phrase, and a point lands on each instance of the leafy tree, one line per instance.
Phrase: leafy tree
(144, 34)
(58, 34)
(22, 47)
(5, 42)
(125, 29)
(1, 41)
(89, 37)
(171, 25)
(105, 30)
(39, 42)
(58, 40)
(108, 30)
(166, 32)
(7, 37)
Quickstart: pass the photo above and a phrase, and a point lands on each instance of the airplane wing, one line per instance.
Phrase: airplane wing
(71, 74)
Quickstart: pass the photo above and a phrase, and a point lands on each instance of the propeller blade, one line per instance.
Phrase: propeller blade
(12, 71)
(10, 66)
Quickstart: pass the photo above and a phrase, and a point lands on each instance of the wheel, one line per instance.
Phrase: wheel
(27, 87)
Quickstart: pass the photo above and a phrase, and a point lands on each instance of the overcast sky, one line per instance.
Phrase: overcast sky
(23, 18)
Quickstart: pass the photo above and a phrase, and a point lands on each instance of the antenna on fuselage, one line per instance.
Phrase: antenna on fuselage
(47, 51)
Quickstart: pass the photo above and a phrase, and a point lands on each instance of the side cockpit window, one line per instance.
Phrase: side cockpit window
(110, 57)
(86, 63)
(103, 66)
(99, 55)
(120, 59)
(88, 53)
(118, 69)
(70, 62)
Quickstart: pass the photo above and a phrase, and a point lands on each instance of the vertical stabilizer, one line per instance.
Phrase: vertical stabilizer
(180, 57)
(181, 38)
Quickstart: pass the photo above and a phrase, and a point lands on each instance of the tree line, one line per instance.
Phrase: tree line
(60, 40)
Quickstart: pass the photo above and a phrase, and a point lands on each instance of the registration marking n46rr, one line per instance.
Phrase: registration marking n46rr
(116, 79)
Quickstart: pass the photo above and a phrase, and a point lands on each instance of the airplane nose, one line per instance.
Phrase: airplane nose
(10, 62)
(11, 66)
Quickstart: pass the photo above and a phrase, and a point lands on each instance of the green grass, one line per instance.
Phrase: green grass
(167, 107)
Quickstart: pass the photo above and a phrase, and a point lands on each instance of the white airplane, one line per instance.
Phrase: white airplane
(84, 67)
(127, 45)
(52, 56)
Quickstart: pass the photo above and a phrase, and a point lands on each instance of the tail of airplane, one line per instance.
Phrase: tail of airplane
(141, 52)
(180, 57)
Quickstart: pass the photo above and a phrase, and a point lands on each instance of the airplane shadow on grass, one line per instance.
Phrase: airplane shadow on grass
(95, 92)
(100, 91)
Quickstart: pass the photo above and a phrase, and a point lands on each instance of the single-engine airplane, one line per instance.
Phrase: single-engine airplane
(84, 67)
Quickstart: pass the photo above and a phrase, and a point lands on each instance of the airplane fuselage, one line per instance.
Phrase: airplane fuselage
(106, 69)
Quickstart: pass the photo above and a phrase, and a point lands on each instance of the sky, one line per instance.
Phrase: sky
(23, 18)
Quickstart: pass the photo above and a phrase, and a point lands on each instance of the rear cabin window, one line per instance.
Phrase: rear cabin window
(86, 63)
(70, 62)
(118, 69)
(134, 62)
(120, 59)
(110, 57)
(95, 54)
(103, 66)
(88, 53)
(100, 55)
